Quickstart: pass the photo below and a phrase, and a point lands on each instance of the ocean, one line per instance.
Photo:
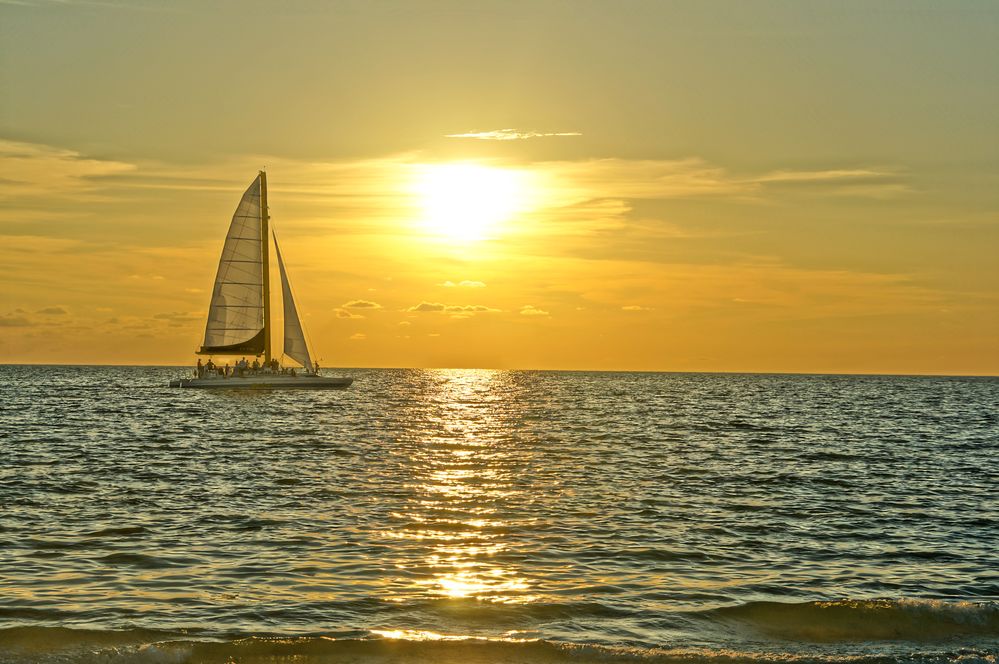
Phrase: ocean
(499, 516)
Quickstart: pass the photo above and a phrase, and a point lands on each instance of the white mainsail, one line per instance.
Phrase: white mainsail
(295, 345)
(236, 315)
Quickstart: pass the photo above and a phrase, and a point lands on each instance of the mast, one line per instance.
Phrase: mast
(266, 265)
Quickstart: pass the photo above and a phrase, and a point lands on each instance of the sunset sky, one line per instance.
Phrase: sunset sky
(690, 186)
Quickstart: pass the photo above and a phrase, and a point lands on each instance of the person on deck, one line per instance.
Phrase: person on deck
(315, 367)
(210, 366)
(201, 369)
(256, 365)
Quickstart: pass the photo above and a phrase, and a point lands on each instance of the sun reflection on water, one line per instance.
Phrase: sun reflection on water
(463, 472)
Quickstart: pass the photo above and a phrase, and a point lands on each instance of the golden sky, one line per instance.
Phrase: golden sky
(690, 186)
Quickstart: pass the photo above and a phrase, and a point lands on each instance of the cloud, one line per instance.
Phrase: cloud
(361, 304)
(863, 182)
(34, 169)
(597, 194)
(457, 310)
(358, 336)
(833, 175)
(635, 307)
(469, 309)
(575, 182)
(179, 318)
(404, 323)
(531, 310)
(427, 306)
(343, 313)
(52, 311)
(39, 244)
(511, 134)
(14, 321)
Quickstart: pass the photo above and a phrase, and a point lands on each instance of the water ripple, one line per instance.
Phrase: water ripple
(797, 515)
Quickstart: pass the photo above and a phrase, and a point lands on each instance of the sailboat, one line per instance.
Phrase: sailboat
(239, 316)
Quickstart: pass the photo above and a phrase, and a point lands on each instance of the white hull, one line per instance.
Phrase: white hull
(265, 382)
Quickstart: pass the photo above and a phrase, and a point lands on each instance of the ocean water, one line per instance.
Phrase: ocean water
(499, 516)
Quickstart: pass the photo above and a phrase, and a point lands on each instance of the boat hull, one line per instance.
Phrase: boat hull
(265, 382)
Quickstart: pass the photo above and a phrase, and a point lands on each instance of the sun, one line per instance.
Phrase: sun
(466, 202)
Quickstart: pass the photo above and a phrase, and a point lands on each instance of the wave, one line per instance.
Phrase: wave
(62, 645)
(51, 645)
(847, 631)
(116, 532)
(847, 621)
(139, 560)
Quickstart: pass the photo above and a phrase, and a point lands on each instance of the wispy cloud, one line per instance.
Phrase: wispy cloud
(32, 169)
(860, 182)
(10, 320)
(635, 307)
(511, 134)
(642, 179)
(179, 318)
(832, 175)
(531, 310)
(455, 310)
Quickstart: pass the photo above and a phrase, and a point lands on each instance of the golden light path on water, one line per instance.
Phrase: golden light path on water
(462, 481)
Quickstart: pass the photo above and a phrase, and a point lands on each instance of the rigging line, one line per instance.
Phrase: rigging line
(235, 301)
(235, 306)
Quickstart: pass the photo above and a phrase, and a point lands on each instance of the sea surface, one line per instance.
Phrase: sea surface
(499, 516)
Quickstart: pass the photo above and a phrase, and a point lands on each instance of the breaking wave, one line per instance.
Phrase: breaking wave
(859, 631)
(865, 620)
(69, 646)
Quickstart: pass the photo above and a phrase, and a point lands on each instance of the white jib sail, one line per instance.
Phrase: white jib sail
(236, 315)
(295, 345)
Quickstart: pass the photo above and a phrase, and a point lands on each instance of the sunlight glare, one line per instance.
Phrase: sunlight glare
(465, 202)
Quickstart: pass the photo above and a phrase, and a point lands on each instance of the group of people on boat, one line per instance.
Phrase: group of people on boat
(244, 368)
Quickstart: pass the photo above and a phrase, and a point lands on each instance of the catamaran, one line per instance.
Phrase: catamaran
(239, 316)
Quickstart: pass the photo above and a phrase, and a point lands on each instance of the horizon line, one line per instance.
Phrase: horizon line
(636, 371)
